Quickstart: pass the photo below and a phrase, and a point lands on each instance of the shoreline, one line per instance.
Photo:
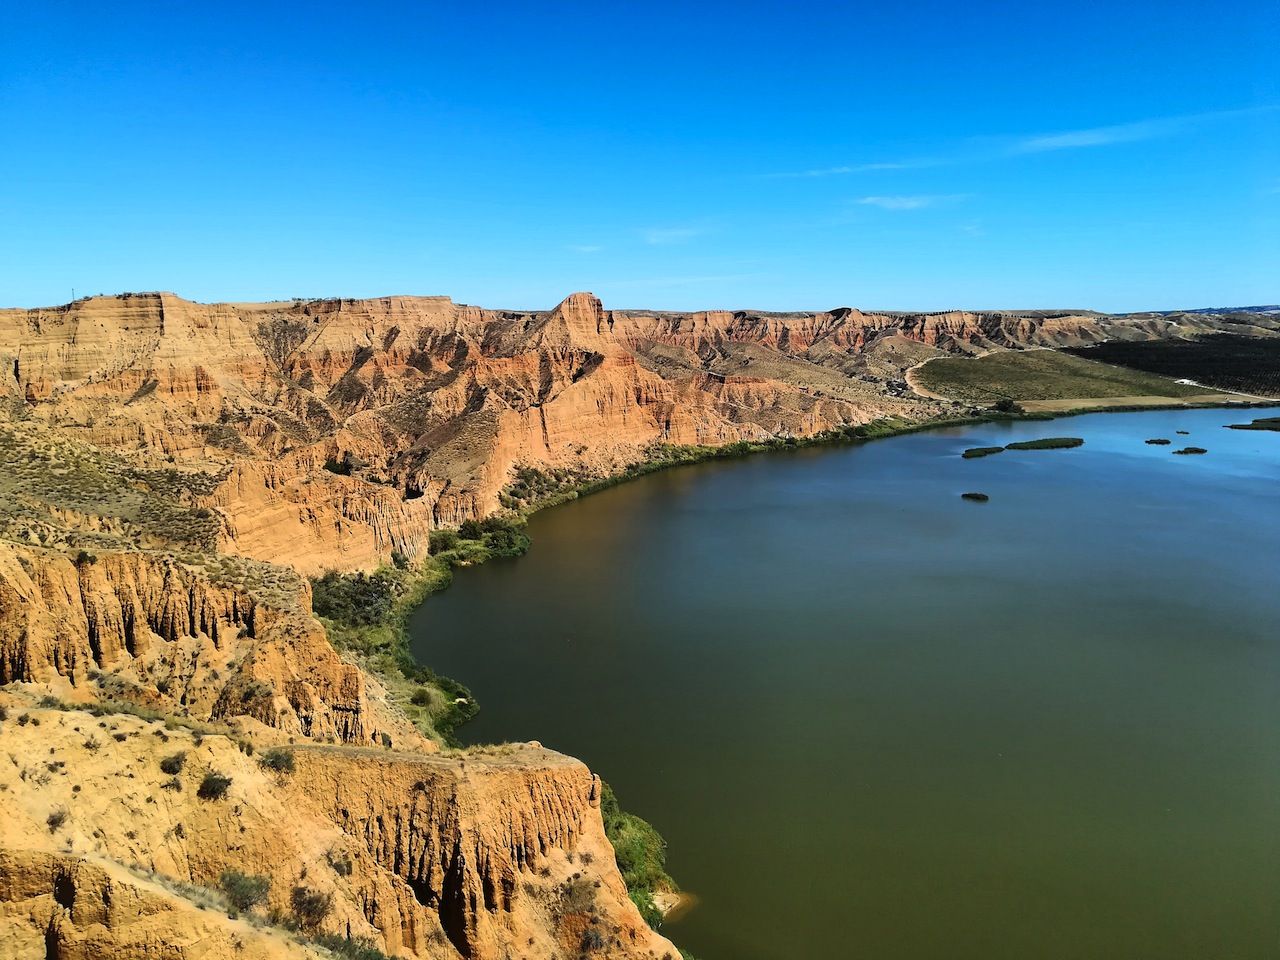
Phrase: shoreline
(435, 574)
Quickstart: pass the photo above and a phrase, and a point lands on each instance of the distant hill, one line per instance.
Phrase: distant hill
(1267, 308)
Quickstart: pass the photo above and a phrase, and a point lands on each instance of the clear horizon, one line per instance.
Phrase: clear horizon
(750, 156)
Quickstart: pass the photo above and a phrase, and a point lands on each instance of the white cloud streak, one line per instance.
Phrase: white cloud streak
(995, 148)
(917, 202)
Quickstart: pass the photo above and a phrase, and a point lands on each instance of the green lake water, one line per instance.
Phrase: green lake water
(875, 720)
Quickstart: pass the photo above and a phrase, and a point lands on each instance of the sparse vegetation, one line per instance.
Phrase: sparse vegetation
(355, 599)
(243, 891)
(57, 819)
(973, 453)
(277, 760)
(345, 948)
(214, 786)
(641, 854)
(1260, 423)
(1047, 443)
(1007, 376)
(341, 467)
(310, 907)
(382, 643)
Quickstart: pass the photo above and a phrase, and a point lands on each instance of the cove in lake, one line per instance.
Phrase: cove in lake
(873, 719)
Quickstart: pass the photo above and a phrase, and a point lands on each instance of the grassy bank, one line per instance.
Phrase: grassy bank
(368, 615)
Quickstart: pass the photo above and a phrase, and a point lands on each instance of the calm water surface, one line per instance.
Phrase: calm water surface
(874, 720)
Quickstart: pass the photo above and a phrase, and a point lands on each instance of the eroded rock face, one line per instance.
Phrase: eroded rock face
(427, 406)
(431, 404)
(485, 855)
(171, 635)
(63, 907)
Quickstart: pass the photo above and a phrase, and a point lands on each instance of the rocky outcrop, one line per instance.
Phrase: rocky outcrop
(422, 408)
(68, 908)
(486, 855)
(181, 638)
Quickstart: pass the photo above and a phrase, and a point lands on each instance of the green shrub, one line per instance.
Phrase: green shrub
(442, 540)
(641, 854)
(243, 891)
(345, 948)
(56, 819)
(354, 599)
(173, 764)
(214, 786)
(1047, 443)
(341, 467)
(310, 907)
(974, 453)
(278, 760)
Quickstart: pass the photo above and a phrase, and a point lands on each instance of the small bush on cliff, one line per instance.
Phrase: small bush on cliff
(278, 760)
(56, 819)
(214, 786)
(501, 536)
(310, 907)
(173, 763)
(243, 891)
(341, 467)
(1007, 405)
(442, 540)
(640, 850)
(354, 600)
(347, 949)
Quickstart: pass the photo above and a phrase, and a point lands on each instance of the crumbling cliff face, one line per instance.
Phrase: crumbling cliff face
(490, 854)
(59, 905)
(422, 408)
(182, 639)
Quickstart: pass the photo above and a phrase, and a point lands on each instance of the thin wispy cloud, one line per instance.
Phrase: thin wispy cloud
(856, 168)
(1099, 136)
(980, 149)
(661, 236)
(1127, 132)
(916, 202)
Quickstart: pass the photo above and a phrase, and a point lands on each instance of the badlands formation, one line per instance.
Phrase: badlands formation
(171, 473)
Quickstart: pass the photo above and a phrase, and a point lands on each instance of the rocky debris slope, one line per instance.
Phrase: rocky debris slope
(490, 854)
(183, 639)
(57, 905)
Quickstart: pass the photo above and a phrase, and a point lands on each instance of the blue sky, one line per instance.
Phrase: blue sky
(776, 156)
